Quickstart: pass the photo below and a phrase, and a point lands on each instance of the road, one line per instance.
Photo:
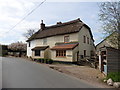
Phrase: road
(20, 73)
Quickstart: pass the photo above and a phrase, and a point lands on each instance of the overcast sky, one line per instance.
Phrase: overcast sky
(12, 11)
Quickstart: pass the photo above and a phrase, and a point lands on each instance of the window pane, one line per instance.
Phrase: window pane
(88, 40)
(60, 53)
(66, 39)
(37, 52)
(84, 39)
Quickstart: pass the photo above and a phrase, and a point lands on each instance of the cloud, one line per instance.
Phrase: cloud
(14, 10)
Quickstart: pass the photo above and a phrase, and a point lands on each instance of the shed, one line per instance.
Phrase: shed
(109, 60)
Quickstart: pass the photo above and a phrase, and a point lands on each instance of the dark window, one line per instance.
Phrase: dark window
(37, 52)
(88, 40)
(66, 39)
(60, 53)
(29, 44)
(84, 53)
(84, 39)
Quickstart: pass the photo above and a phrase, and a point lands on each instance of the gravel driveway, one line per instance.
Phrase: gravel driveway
(86, 73)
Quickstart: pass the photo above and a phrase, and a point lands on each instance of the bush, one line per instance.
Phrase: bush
(50, 61)
(44, 60)
(115, 76)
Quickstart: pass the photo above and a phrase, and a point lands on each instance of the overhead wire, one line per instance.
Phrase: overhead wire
(26, 16)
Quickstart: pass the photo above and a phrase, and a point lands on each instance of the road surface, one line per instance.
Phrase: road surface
(0, 72)
(20, 73)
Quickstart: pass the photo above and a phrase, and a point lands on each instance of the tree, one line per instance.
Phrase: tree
(29, 33)
(3, 50)
(18, 47)
(110, 17)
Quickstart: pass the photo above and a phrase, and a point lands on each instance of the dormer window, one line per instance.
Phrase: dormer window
(66, 39)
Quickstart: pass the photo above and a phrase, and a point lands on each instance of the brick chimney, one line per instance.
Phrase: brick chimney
(42, 25)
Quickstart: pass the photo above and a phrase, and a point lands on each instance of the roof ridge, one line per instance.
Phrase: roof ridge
(65, 23)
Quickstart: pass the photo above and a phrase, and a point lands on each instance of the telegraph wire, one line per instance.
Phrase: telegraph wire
(26, 16)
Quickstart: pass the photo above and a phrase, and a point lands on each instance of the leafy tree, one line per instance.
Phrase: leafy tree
(110, 17)
(3, 50)
(29, 33)
(18, 47)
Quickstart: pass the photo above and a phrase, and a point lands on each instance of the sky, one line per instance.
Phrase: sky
(13, 11)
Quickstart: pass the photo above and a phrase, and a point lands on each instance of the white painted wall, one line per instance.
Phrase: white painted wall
(85, 46)
(29, 51)
(60, 38)
(50, 42)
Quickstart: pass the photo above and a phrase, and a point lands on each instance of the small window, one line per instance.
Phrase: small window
(44, 41)
(84, 53)
(60, 53)
(84, 39)
(37, 52)
(29, 44)
(88, 40)
(66, 39)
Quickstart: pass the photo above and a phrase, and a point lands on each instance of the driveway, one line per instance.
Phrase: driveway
(20, 73)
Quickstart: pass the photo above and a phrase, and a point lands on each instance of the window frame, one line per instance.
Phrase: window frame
(38, 53)
(84, 39)
(45, 41)
(84, 53)
(66, 40)
(60, 53)
(88, 40)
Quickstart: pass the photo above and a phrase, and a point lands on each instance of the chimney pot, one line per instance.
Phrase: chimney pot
(42, 25)
(59, 23)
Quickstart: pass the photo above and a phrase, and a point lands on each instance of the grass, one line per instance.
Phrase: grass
(115, 76)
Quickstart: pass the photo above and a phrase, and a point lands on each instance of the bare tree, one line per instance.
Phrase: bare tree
(29, 33)
(110, 17)
(18, 47)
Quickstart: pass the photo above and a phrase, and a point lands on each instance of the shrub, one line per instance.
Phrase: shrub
(50, 61)
(44, 60)
(115, 76)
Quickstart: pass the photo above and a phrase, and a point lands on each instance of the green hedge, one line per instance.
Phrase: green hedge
(115, 76)
(44, 60)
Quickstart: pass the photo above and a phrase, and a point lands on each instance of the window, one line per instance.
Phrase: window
(37, 52)
(66, 39)
(84, 39)
(88, 40)
(60, 53)
(45, 41)
(29, 44)
(84, 53)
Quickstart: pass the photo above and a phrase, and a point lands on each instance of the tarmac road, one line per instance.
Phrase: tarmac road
(20, 73)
